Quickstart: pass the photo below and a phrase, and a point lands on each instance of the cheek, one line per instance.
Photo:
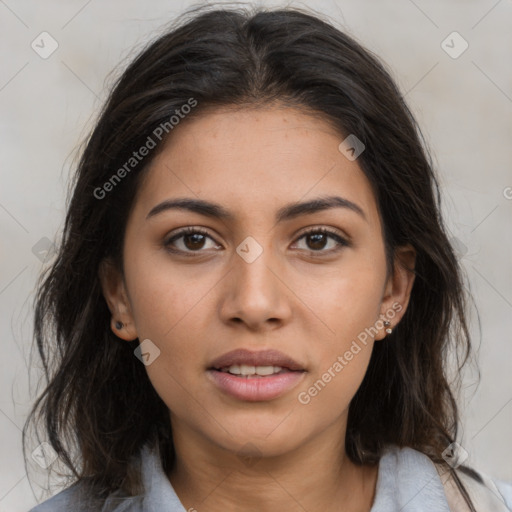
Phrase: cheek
(329, 393)
(165, 297)
(341, 358)
(348, 299)
(348, 303)
(167, 308)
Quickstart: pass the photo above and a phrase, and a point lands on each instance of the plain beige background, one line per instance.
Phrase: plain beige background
(463, 102)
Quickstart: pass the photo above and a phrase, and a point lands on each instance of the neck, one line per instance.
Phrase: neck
(317, 477)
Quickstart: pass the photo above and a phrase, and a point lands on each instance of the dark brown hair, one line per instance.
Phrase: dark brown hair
(99, 408)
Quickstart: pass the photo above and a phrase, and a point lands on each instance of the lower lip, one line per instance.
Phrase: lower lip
(256, 389)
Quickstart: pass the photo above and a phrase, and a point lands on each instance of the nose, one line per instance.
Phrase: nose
(255, 293)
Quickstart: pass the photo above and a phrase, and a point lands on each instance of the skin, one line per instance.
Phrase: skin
(278, 454)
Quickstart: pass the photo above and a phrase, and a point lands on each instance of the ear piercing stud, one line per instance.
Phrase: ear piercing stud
(387, 325)
(119, 325)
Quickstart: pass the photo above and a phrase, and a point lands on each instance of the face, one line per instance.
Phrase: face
(300, 291)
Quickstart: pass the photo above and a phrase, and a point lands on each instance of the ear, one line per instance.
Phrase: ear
(114, 291)
(397, 291)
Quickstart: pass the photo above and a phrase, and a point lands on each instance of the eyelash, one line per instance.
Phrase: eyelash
(191, 230)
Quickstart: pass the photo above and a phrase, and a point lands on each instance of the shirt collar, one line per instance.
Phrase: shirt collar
(160, 494)
(407, 481)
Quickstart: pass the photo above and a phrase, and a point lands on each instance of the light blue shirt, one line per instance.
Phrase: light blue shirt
(407, 481)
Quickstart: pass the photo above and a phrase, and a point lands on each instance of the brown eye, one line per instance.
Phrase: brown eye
(189, 240)
(194, 241)
(318, 239)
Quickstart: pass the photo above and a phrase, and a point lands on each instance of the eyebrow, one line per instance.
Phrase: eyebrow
(287, 212)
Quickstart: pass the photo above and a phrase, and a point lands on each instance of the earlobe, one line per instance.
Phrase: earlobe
(114, 292)
(124, 331)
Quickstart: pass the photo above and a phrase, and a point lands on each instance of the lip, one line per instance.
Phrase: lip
(257, 388)
(260, 358)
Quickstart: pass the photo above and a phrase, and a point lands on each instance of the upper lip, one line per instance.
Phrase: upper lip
(260, 358)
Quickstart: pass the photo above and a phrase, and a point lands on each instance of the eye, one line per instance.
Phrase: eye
(193, 240)
(319, 239)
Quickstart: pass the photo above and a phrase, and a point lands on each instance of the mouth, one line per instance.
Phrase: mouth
(255, 376)
(246, 371)
(262, 363)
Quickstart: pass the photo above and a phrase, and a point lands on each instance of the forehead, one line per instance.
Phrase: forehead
(254, 160)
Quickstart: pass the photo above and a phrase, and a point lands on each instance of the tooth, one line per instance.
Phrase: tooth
(247, 370)
(264, 370)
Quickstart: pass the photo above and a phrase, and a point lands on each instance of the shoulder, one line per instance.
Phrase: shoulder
(410, 469)
(505, 489)
(77, 499)
(485, 492)
(68, 499)
(157, 494)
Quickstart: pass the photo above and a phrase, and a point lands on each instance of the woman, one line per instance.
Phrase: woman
(255, 295)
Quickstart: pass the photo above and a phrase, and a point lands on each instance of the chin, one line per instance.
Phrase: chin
(261, 437)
